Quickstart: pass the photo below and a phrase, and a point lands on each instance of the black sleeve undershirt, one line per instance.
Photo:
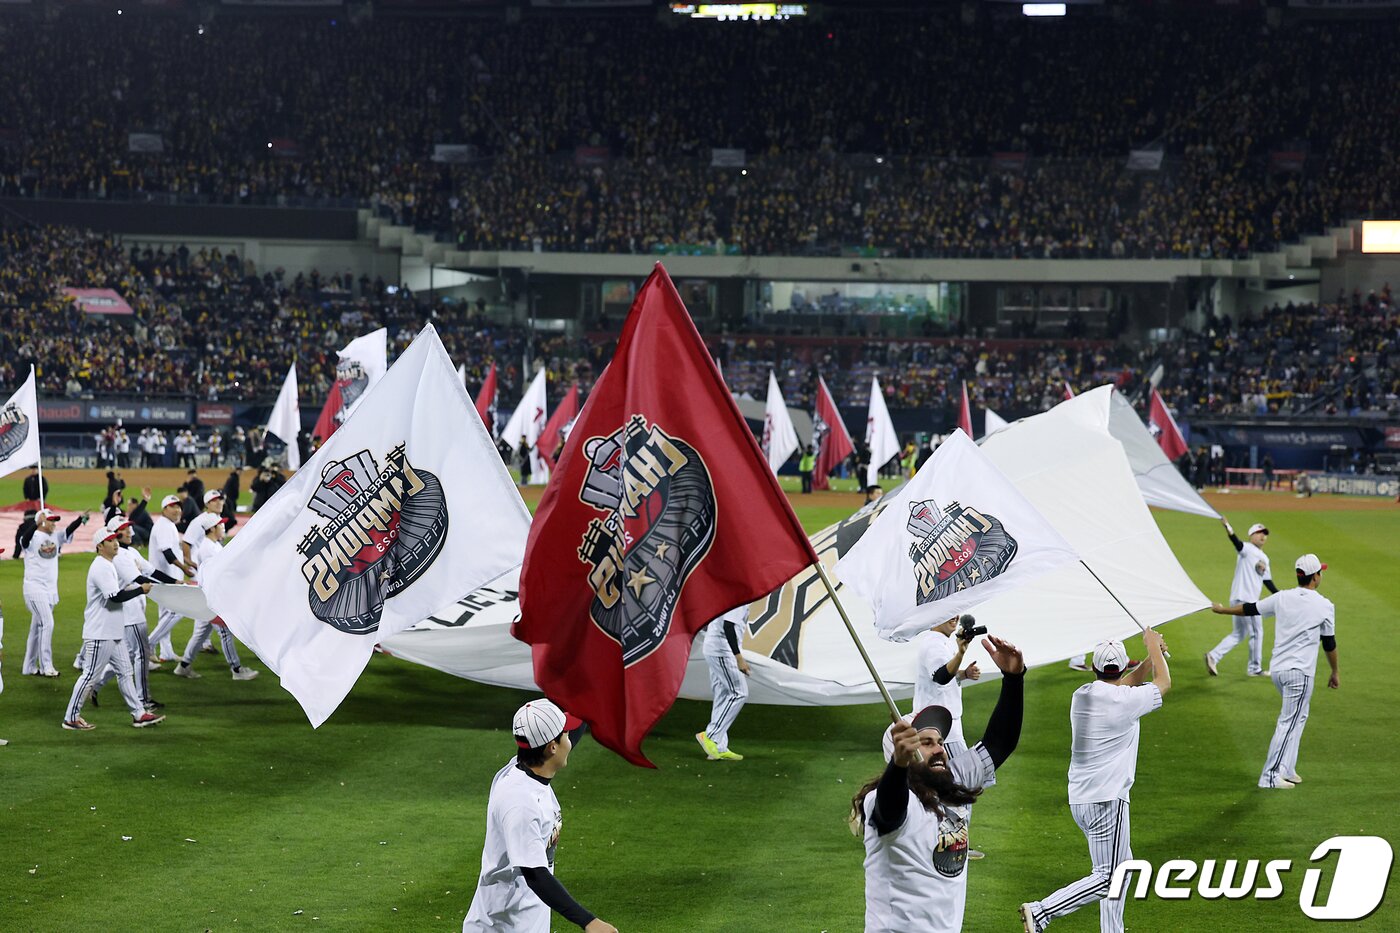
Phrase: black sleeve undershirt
(1239, 545)
(125, 595)
(1249, 609)
(1329, 642)
(555, 896)
(730, 636)
(169, 556)
(160, 576)
(891, 799)
(1270, 584)
(1004, 727)
(942, 676)
(74, 526)
(26, 534)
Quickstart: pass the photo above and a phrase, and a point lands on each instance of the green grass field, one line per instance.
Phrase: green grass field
(240, 816)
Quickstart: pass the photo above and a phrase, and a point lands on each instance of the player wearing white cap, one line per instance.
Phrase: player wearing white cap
(133, 568)
(1251, 575)
(1303, 619)
(517, 889)
(40, 544)
(1103, 718)
(916, 839)
(166, 558)
(103, 620)
(728, 681)
(213, 505)
(211, 527)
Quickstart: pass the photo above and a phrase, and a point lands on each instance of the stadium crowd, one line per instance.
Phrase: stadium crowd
(606, 146)
(214, 327)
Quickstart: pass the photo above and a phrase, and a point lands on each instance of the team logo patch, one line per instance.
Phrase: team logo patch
(659, 522)
(384, 528)
(14, 429)
(48, 550)
(954, 548)
(353, 381)
(950, 854)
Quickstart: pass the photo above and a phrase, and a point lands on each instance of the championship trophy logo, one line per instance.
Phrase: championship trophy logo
(659, 522)
(820, 429)
(384, 528)
(353, 381)
(14, 429)
(954, 548)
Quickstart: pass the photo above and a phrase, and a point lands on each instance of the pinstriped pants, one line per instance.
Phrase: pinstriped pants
(1105, 825)
(1296, 687)
(97, 654)
(136, 649)
(731, 692)
(38, 650)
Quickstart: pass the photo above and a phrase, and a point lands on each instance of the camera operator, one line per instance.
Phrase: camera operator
(940, 676)
(266, 486)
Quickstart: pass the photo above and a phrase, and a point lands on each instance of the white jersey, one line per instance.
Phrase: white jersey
(201, 551)
(100, 621)
(716, 645)
(41, 564)
(1103, 751)
(130, 565)
(1301, 617)
(523, 820)
(915, 876)
(1251, 569)
(935, 651)
(193, 535)
(165, 536)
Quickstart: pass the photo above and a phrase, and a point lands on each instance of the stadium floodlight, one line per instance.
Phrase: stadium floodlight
(1380, 236)
(1042, 9)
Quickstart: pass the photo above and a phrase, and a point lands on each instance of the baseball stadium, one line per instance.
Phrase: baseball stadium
(533, 465)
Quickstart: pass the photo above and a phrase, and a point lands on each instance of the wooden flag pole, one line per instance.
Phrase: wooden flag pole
(895, 714)
(1165, 654)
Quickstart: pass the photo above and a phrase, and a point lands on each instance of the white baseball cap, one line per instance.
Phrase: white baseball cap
(540, 722)
(169, 501)
(1309, 564)
(117, 523)
(211, 495)
(1256, 527)
(47, 515)
(103, 535)
(204, 521)
(1110, 657)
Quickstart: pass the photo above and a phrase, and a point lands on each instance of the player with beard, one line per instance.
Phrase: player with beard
(916, 840)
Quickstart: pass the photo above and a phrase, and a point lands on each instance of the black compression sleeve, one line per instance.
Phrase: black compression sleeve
(942, 677)
(1004, 728)
(74, 526)
(26, 534)
(891, 799)
(555, 896)
(125, 595)
(730, 635)
(1239, 545)
(1249, 609)
(1329, 642)
(1270, 584)
(160, 576)
(169, 556)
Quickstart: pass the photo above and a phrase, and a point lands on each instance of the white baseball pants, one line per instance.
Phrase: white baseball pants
(136, 649)
(159, 643)
(1105, 826)
(1246, 627)
(202, 632)
(38, 650)
(97, 654)
(731, 692)
(1296, 688)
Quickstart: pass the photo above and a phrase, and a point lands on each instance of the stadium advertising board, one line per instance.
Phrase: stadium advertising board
(1392, 437)
(98, 300)
(1352, 484)
(213, 413)
(740, 11)
(129, 411)
(1301, 437)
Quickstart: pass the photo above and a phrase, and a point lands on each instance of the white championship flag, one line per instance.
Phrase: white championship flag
(779, 436)
(528, 421)
(404, 509)
(879, 434)
(285, 420)
(19, 429)
(956, 535)
(994, 423)
(365, 357)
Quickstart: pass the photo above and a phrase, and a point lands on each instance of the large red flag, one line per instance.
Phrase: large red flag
(486, 401)
(661, 515)
(325, 422)
(965, 413)
(1163, 427)
(829, 434)
(551, 438)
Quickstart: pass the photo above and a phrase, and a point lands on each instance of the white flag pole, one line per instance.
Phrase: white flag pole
(1165, 653)
(39, 463)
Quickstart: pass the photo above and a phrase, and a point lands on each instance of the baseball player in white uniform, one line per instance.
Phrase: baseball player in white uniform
(189, 542)
(132, 568)
(166, 558)
(916, 838)
(1303, 619)
(1251, 575)
(728, 681)
(938, 682)
(211, 528)
(40, 546)
(1103, 719)
(103, 620)
(517, 890)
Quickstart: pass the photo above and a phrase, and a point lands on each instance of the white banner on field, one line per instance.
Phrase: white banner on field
(183, 600)
(391, 518)
(19, 429)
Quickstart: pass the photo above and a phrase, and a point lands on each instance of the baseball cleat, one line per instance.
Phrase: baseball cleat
(727, 755)
(1277, 784)
(1029, 923)
(78, 663)
(209, 649)
(974, 854)
(711, 749)
(1293, 779)
(51, 674)
(1078, 666)
(244, 673)
(78, 725)
(153, 665)
(146, 719)
(184, 670)
(4, 742)
(1210, 665)
(1258, 673)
